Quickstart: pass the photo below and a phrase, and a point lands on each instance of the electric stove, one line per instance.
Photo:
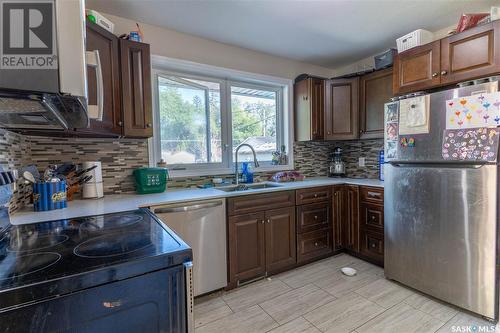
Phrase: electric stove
(56, 259)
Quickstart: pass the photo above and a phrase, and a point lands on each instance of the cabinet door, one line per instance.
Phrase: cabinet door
(247, 258)
(338, 212)
(107, 44)
(351, 220)
(280, 239)
(136, 87)
(313, 216)
(309, 97)
(375, 90)
(314, 245)
(318, 108)
(341, 112)
(417, 68)
(371, 216)
(472, 54)
(372, 246)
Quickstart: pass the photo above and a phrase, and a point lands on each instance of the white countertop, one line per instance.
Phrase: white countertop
(120, 203)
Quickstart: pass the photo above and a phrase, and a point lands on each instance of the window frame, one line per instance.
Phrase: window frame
(226, 78)
(194, 167)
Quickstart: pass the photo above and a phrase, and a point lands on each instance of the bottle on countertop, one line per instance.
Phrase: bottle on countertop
(381, 165)
(246, 173)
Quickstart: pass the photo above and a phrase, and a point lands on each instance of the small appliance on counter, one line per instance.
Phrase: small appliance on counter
(150, 180)
(337, 166)
(93, 189)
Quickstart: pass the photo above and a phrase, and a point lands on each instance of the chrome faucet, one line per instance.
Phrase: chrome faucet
(236, 176)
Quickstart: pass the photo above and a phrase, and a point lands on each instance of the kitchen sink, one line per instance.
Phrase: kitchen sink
(247, 187)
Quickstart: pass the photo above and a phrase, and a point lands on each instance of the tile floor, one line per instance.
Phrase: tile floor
(319, 298)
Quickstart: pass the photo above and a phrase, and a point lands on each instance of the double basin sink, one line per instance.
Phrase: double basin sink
(248, 187)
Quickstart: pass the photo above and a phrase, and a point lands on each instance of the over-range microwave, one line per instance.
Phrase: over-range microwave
(43, 66)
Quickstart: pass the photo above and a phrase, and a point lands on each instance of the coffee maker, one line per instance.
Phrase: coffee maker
(337, 166)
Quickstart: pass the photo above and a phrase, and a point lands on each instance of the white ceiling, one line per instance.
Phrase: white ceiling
(329, 33)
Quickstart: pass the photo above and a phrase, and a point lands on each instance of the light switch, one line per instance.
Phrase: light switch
(362, 162)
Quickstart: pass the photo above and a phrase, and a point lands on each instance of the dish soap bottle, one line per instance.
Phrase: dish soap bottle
(381, 165)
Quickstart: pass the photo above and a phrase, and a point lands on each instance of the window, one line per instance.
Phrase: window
(201, 120)
(190, 120)
(254, 114)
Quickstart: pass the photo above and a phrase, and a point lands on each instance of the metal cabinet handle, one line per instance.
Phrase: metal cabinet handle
(120, 123)
(315, 195)
(262, 222)
(112, 304)
(444, 72)
(373, 217)
(373, 194)
(268, 221)
(373, 244)
(315, 217)
(186, 208)
(435, 74)
(148, 125)
(94, 60)
(316, 244)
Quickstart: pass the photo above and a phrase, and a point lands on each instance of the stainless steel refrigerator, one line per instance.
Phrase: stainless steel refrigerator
(441, 197)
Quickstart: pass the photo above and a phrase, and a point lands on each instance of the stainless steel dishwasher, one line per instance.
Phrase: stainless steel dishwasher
(201, 224)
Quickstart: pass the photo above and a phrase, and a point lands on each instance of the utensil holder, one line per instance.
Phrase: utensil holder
(49, 196)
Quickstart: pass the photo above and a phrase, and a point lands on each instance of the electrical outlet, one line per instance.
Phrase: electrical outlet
(362, 162)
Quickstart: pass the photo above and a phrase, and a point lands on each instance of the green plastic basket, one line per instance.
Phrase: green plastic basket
(150, 180)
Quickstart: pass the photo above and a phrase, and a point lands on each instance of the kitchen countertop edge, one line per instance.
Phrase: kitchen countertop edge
(119, 203)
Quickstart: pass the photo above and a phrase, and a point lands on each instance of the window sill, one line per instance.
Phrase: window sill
(224, 172)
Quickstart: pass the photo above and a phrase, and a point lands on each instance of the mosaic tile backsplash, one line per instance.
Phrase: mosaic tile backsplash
(312, 158)
(120, 157)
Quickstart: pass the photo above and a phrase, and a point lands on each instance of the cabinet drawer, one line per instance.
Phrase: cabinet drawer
(372, 216)
(314, 244)
(312, 195)
(372, 245)
(313, 216)
(259, 202)
(371, 194)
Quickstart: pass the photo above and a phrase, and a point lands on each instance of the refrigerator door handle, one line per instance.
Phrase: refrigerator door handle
(438, 165)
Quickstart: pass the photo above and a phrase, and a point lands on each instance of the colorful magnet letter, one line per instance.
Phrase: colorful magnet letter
(411, 142)
(404, 142)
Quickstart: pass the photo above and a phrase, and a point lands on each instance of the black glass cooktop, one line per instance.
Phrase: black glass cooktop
(53, 258)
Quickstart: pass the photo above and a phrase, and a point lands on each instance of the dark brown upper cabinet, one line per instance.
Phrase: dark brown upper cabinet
(126, 87)
(472, 54)
(417, 68)
(375, 90)
(309, 100)
(99, 39)
(136, 89)
(469, 55)
(341, 111)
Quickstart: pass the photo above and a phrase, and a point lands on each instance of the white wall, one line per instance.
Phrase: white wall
(368, 62)
(173, 44)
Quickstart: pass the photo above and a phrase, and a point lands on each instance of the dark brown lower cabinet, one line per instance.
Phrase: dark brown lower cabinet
(268, 233)
(372, 246)
(260, 243)
(345, 217)
(280, 239)
(338, 211)
(247, 247)
(371, 225)
(314, 245)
